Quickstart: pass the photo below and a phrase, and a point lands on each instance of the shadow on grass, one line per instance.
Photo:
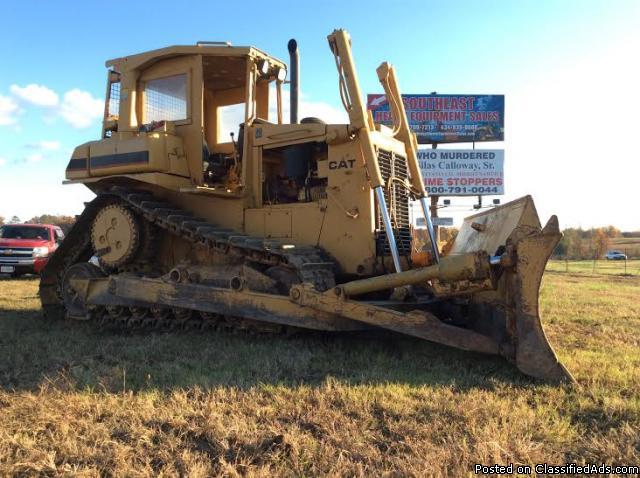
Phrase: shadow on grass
(34, 352)
(25, 277)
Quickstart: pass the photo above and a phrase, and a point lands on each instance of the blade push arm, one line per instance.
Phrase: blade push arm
(351, 95)
(387, 77)
(340, 45)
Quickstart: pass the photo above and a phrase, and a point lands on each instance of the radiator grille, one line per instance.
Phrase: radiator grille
(16, 252)
(397, 199)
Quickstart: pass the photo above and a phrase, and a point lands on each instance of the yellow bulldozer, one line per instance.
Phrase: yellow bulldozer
(274, 225)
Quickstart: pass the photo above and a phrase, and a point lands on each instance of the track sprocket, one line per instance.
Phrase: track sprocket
(115, 235)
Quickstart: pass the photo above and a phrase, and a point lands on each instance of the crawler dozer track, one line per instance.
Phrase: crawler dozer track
(489, 320)
(310, 264)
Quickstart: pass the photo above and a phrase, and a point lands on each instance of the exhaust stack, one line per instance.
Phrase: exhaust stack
(294, 83)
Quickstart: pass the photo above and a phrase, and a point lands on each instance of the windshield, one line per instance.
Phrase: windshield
(24, 232)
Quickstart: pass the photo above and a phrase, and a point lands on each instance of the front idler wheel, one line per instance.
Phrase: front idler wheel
(72, 297)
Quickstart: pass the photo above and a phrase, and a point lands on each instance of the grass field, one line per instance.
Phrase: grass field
(601, 266)
(76, 401)
(628, 245)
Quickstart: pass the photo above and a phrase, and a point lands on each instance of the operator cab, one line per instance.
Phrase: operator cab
(203, 94)
(192, 108)
(235, 93)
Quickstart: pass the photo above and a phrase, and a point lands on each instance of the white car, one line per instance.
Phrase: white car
(616, 256)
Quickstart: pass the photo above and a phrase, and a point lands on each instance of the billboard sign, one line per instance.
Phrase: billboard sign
(462, 172)
(446, 118)
(442, 221)
(436, 221)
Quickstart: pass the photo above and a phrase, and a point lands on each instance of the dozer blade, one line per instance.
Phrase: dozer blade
(534, 354)
(481, 304)
(510, 313)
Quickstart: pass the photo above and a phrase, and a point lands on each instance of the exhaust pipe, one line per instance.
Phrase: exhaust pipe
(294, 83)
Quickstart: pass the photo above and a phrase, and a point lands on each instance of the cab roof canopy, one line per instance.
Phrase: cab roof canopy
(146, 59)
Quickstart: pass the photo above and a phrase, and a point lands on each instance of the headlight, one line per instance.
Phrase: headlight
(263, 67)
(40, 251)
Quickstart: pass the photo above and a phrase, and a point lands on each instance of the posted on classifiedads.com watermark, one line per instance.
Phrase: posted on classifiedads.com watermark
(550, 469)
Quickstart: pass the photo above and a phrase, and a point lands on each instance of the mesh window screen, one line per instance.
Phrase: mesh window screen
(166, 99)
(114, 101)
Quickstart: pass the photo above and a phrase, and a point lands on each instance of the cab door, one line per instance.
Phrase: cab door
(171, 91)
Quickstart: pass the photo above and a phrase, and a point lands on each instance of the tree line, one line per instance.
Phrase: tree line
(65, 222)
(578, 243)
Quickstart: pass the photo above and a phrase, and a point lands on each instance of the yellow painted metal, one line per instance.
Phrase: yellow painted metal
(159, 152)
(81, 171)
(387, 77)
(534, 354)
(115, 235)
(243, 303)
(150, 180)
(340, 44)
(491, 229)
(471, 266)
(275, 135)
(515, 229)
(417, 323)
(142, 60)
(169, 161)
(341, 221)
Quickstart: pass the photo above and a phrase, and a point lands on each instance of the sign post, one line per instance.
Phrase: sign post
(454, 118)
(434, 201)
(443, 221)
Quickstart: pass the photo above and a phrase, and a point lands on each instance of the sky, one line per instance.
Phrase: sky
(568, 69)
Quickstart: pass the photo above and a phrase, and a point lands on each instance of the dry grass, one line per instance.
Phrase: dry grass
(628, 245)
(596, 268)
(75, 401)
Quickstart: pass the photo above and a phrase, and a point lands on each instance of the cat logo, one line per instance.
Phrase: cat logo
(342, 164)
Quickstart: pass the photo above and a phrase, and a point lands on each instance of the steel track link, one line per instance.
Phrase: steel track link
(311, 264)
(76, 247)
(124, 318)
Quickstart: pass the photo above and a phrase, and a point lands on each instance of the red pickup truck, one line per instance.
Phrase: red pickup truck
(25, 248)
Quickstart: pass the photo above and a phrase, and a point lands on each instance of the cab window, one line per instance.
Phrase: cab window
(112, 107)
(112, 110)
(165, 99)
(229, 117)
